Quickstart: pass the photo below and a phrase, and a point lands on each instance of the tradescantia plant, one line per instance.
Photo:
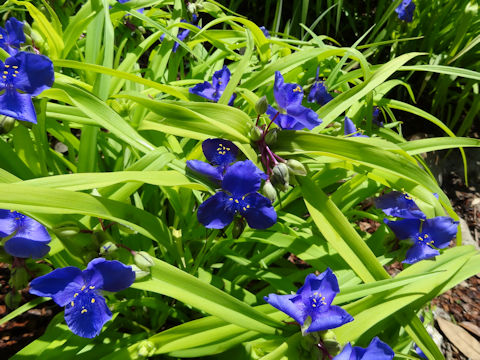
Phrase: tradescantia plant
(235, 217)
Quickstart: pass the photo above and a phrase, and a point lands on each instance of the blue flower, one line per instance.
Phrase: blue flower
(376, 350)
(375, 116)
(29, 238)
(427, 235)
(292, 115)
(350, 129)
(319, 93)
(241, 183)
(265, 32)
(12, 36)
(214, 90)
(313, 300)
(405, 10)
(399, 204)
(220, 153)
(79, 291)
(182, 33)
(29, 73)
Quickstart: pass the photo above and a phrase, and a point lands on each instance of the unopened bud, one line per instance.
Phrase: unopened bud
(66, 230)
(280, 171)
(296, 167)
(191, 7)
(330, 342)
(7, 124)
(238, 227)
(143, 260)
(271, 137)
(261, 105)
(141, 29)
(269, 191)
(12, 299)
(126, 229)
(255, 134)
(139, 273)
(19, 278)
(108, 248)
(146, 348)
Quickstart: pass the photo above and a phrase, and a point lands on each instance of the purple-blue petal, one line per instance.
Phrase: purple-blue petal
(214, 173)
(265, 32)
(220, 79)
(404, 229)
(25, 248)
(441, 229)
(332, 317)
(350, 128)
(284, 121)
(14, 30)
(346, 354)
(260, 214)
(286, 94)
(319, 94)
(213, 212)
(219, 151)
(87, 315)
(305, 116)
(31, 229)
(18, 106)
(399, 204)
(405, 10)
(109, 275)
(241, 178)
(35, 72)
(325, 284)
(58, 284)
(284, 303)
(205, 90)
(378, 350)
(419, 251)
(7, 222)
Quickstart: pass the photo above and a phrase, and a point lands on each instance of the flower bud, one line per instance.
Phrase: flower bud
(146, 348)
(296, 167)
(108, 248)
(271, 137)
(330, 342)
(269, 191)
(139, 273)
(280, 171)
(191, 7)
(141, 29)
(255, 133)
(19, 278)
(7, 124)
(238, 227)
(143, 260)
(126, 229)
(12, 299)
(66, 230)
(261, 105)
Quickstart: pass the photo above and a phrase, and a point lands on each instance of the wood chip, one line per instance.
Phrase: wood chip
(459, 337)
(474, 329)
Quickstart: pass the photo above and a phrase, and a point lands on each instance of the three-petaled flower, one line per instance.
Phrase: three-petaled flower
(12, 36)
(427, 235)
(220, 153)
(376, 350)
(319, 93)
(241, 183)
(399, 204)
(28, 238)
(85, 308)
(29, 73)
(350, 129)
(314, 300)
(405, 10)
(292, 115)
(214, 90)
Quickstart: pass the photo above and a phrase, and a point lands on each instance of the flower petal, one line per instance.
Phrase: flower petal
(260, 214)
(419, 251)
(241, 178)
(325, 284)
(7, 222)
(441, 230)
(284, 303)
(286, 94)
(319, 94)
(331, 318)
(404, 229)
(285, 121)
(109, 275)
(87, 315)
(405, 10)
(60, 284)
(305, 116)
(35, 72)
(14, 29)
(213, 214)
(18, 106)
(378, 350)
(399, 204)
(221, 78)
(350, 129)
(219, 151)
(346, 353)
(205, 90)
(25, 248)
(29, 228)
(213, 173)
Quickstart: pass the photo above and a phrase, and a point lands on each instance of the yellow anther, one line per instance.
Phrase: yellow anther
(75, 295)
(93, 300)
(425, 236)
(314, 305)
(5, 72)
(231, 199)
(84, 311)
(72, 303)
(243, 197)
(12, 210)
(17, 218)
(16, 71)
(297, 89)
(1, 36)
(420, 238)
(228, 149)
(220, 145)
(314, 300)
(15, 66)
(14, 75)
(236, 200)
(7, 66)
(92, 287)
(244, 208)
(248, 206)
(83, 288)
(315, 293)
(4, 77)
